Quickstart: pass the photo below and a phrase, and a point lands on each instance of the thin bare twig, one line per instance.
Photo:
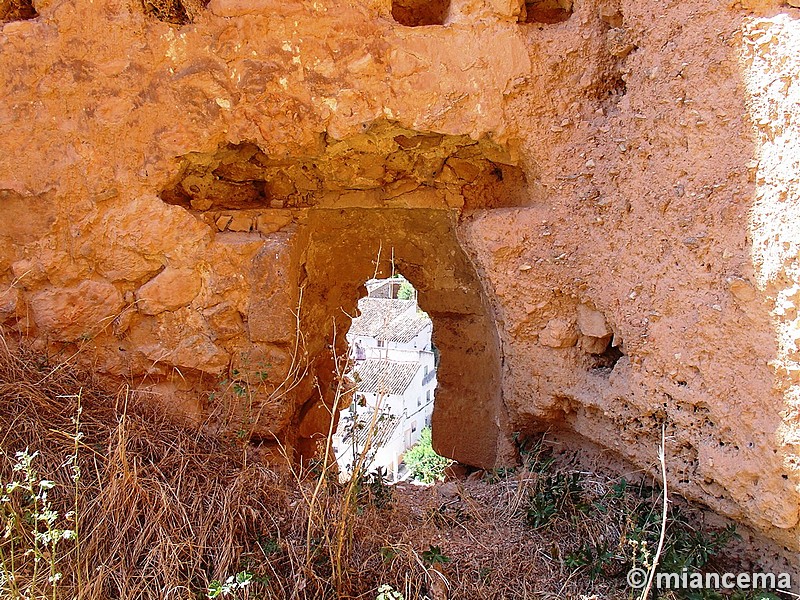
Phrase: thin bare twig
(662, 459)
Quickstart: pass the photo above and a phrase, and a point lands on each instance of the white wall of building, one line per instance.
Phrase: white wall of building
(413, 408)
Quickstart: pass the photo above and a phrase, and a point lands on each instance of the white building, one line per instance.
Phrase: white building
(395, 373)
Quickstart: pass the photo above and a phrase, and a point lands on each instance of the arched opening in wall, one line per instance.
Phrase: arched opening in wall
(392, 366)
(16, 10)
(469, 420)
(416, 13)
(546, 11)
(405, 190)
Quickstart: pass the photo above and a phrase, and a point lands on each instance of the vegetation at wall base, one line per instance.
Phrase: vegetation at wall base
(145, 508)
(631, 518)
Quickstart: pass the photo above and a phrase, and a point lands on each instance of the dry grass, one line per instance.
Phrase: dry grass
(164, 511)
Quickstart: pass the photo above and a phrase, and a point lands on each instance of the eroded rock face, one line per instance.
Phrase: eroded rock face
(596, 200)
(79, 312)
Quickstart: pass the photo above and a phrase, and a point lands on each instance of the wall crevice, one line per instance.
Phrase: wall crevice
(546, 12)
(17, 10)
(175, 12)
(419, 13)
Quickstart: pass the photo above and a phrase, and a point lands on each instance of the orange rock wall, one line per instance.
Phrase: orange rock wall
(597, 201)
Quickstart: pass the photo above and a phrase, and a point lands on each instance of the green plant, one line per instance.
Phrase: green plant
(498, 474)
(535, 457)
(388, 554)
(376, 489)
(553, 494)
(685, 547)
(387, 592)
(231, 585)
(32, 532)
(425, 464)
(596, 556)
(269, 545)
(434, 555)
(692, 550)
(239, 398)
(640, 520)
(753, 595)
(406, 291)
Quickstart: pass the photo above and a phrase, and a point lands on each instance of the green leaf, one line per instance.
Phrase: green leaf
(434, 555)
(214, 589)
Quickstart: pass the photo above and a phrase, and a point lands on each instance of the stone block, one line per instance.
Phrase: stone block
(71, 313)
(273, 292)
(559, 333)
(270, 221)
(169, 290)
(224, 320)
(591, 322)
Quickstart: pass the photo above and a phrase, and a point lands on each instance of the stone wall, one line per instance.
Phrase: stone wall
(596, 201)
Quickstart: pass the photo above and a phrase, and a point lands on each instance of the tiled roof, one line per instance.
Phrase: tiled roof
(383, 376)
(385, 426)
(388, 319)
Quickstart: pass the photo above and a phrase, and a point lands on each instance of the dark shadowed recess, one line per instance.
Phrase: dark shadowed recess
(16, 10)
(546, 11)
(416, 13)
(177, 12)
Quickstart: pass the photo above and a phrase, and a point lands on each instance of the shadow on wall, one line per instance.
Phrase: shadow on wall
(343, 251)
(417, 13)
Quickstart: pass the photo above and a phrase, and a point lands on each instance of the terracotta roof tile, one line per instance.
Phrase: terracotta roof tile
(385, 426)
(383, 376)
(388, 319)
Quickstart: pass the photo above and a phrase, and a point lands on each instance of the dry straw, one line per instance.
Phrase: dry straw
(163, 511)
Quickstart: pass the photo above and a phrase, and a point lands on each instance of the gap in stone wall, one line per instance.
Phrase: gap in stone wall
(618, 44)
(546, 11)
(391, 188)
(392, 363)
(17, 10)
(416, 13)
(176, 12)
(603, 362)
(343, 250)
(386, 167)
